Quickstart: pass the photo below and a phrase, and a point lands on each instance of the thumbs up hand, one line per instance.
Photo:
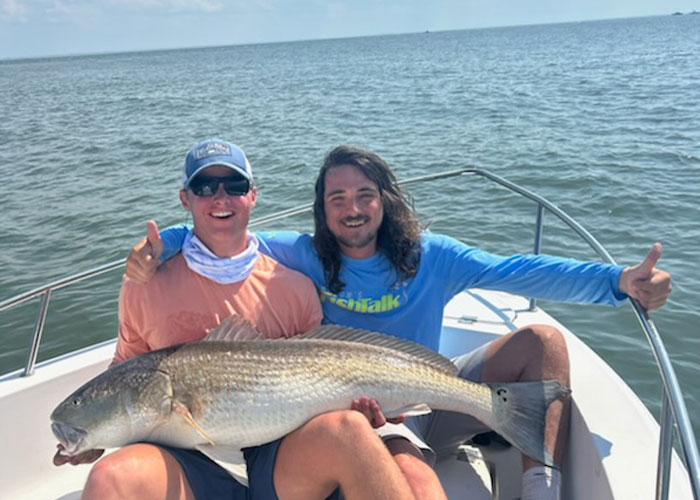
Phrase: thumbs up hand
(153, 239)
(144, 257)
(645, 283)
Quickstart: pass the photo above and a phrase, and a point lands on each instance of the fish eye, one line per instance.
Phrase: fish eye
(76, 401)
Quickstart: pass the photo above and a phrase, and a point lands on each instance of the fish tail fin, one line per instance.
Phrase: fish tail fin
(520, 409)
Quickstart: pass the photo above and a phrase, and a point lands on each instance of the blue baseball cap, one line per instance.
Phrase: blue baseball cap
(215, 152)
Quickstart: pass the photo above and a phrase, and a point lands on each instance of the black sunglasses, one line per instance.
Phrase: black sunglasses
(204, 186)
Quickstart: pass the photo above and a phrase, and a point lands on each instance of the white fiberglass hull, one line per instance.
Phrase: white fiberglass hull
(613, 442)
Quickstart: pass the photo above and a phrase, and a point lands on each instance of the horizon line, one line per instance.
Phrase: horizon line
(303, 40)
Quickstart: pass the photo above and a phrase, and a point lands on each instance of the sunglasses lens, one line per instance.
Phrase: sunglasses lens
(237, 187)
(207, 186)
(204, 186)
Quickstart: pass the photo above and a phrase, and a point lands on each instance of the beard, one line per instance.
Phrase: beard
(360, 241)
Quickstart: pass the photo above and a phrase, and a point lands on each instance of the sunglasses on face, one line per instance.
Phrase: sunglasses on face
(204, 186)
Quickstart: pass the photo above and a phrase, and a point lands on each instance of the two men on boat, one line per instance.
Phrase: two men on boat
(373, 267)
(220, 272)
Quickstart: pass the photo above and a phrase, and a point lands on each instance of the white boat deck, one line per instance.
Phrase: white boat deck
(614, 439)
(613, 444)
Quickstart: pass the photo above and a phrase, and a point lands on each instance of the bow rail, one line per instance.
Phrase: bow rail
(673, 409)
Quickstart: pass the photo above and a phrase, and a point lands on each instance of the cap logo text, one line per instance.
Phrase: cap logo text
(211, 149)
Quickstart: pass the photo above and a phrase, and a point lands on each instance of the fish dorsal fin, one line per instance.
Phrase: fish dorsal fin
(234, 327)
(348, 334)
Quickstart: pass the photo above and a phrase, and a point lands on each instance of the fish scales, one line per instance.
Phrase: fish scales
(249, 392)
(301, 380)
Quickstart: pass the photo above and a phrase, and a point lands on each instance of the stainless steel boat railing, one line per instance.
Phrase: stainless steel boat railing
(673, 412)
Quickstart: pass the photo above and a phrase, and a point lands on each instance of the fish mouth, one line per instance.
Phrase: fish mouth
(69, 436)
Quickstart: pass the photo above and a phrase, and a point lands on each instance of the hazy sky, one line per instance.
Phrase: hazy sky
(30, 28)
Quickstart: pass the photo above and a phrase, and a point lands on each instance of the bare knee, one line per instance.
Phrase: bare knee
(420, 476)
(539, 334)
(137, 471)
(546, 347)
(347, 426)
(109, 478)
(337, 435)
(542, 338)
(535, 352)
(338, 449)
(354, 422)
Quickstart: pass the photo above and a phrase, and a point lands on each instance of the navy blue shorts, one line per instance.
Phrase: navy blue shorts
(206, 478)
(209, 481)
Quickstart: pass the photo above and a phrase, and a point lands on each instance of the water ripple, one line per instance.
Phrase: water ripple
(599, 117)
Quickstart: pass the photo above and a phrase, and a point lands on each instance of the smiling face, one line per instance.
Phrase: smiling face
(221, 220)
(354, 210)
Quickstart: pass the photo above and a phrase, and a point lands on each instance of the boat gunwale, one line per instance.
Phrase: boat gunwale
(674, 413)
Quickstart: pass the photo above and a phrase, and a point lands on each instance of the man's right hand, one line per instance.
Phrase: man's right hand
(86, 457)
(144, 258)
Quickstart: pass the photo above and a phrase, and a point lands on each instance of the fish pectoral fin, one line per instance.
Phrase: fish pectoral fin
(184, 412)
(228, 457)
(409, 411)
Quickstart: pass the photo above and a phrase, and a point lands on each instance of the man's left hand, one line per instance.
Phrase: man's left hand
(370, 409)
(645, 283)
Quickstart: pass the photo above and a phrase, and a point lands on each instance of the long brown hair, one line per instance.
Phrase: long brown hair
(399, 233)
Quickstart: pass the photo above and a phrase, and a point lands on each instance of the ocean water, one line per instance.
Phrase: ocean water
(599, 117)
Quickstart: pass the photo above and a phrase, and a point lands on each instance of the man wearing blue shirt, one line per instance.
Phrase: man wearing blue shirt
(375, 269)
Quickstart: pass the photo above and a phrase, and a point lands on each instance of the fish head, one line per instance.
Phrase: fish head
(118, 407)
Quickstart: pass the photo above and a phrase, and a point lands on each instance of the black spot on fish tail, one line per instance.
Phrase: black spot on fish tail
(519, 414)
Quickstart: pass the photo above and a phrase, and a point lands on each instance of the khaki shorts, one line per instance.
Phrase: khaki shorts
(439, 433)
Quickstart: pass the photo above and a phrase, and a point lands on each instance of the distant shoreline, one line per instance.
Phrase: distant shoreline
(306, 40)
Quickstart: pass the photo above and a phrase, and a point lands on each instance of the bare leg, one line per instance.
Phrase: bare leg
(537, 352)
(137, 471)
(337, 449)
(421, 477)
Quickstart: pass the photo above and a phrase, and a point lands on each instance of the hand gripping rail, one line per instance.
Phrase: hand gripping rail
(673, 409)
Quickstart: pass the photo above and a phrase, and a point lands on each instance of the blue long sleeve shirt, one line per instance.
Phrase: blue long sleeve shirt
(374, 299)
